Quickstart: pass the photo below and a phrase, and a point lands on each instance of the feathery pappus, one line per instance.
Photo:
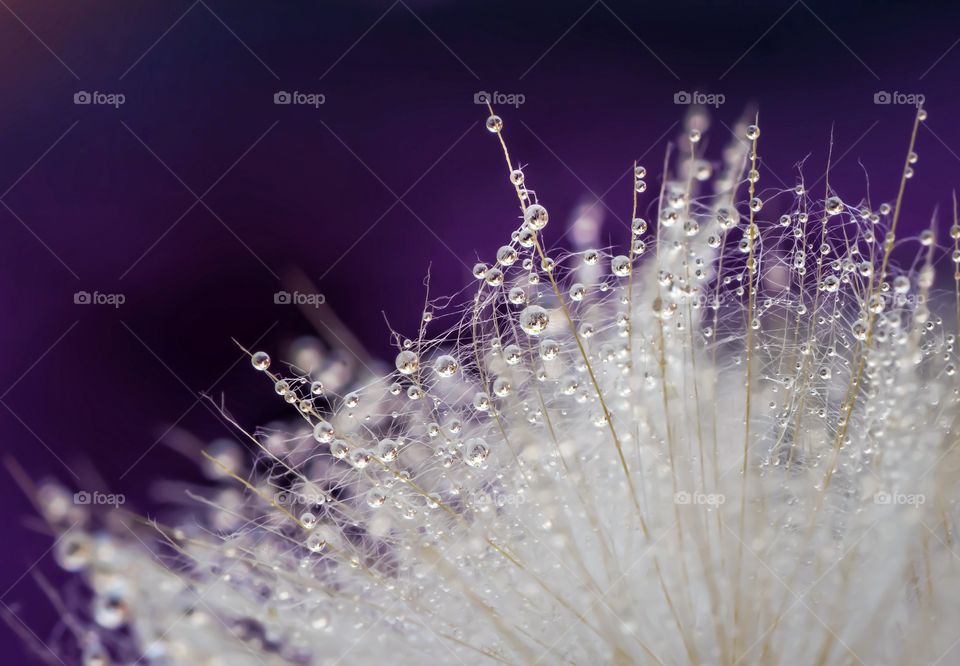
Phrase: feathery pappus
(730, 441)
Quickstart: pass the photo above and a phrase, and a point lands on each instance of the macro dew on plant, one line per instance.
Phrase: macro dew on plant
(728, 440)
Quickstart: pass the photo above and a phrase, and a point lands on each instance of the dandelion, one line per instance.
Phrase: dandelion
(730, 441)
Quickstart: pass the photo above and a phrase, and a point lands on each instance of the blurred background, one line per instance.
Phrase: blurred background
(167, 168)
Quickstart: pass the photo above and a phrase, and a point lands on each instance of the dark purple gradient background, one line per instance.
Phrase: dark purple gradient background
(397, 101)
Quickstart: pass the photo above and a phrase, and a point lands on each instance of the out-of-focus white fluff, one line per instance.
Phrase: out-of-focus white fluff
(555, 472)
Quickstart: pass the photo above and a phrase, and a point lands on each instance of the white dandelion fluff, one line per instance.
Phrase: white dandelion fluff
(729, 442)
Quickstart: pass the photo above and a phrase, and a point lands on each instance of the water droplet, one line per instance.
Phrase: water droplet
(830, 284)
(534, 320)
(339, 449)
(446, 365)
(526, 237)
(549, 349)
(376, 498)
(536, 216)
(506, 256)
(475, 452)
(833, 206)
(493, 277)
(517, 296)
(502, 387)
(360, 458)
(324, 432)
(727, 218)
(859, 330)
(481, 401)
(315, 543)
(388, 449)
(407, 362)
(308, 520)
(620, 265)
(260, 360)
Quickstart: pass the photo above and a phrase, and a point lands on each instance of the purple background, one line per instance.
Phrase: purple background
(90, 194)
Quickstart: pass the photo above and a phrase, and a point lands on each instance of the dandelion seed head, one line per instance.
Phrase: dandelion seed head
(636, 454)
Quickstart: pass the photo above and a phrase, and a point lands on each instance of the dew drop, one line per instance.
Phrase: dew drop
(324, 432)
(446, 365)
(534, 320)
(620, 265)
(407, 362)
(476, 452)
(388, 449)
(506, 256)
(833, 206)
(536, 216)
(260, 360)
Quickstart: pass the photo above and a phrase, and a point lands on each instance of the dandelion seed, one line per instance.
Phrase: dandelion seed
(616, 455)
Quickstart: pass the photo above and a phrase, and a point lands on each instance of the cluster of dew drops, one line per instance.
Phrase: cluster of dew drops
(534, 319)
